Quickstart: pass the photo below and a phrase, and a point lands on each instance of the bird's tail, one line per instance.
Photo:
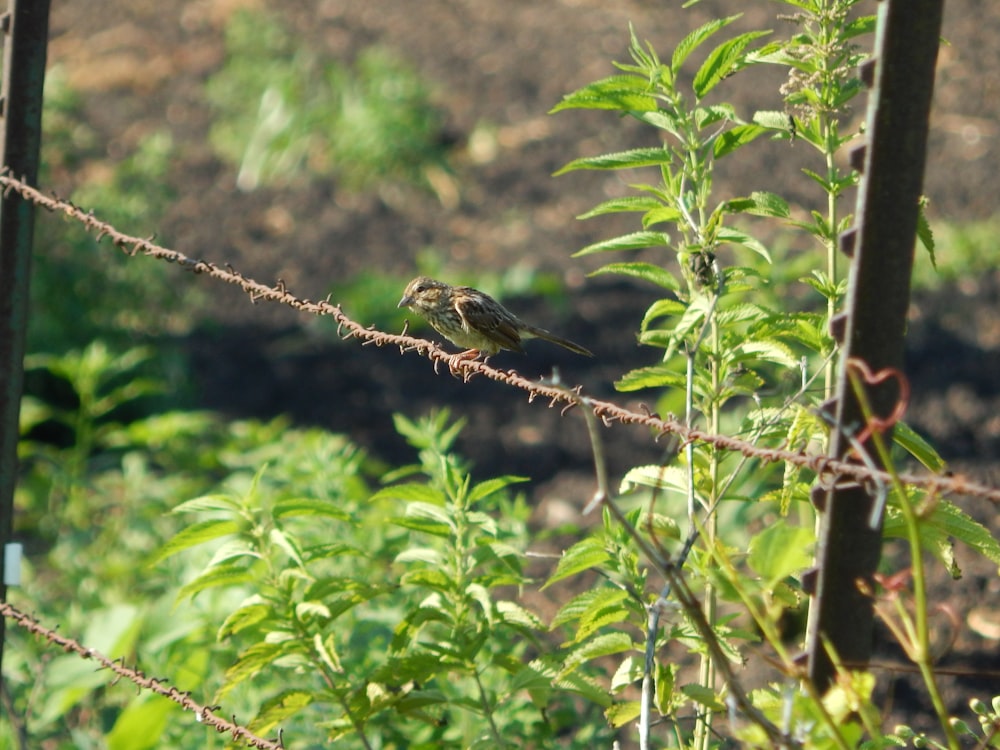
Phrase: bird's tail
(541, 333)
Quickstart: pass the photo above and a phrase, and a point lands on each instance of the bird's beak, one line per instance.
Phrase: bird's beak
(406, 301)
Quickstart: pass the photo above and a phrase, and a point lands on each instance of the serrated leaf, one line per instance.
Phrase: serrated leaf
(624, 93)
(601, 645)
(620, 205)
(484, 489)
(327, 651)
(655, 376)
(584, 555)
(773, 120)
(695, 39)
(621, 714)
(279, 708)
(288, 544)
(704, 696)
(908, 439)
(662, 308)
(780, 551)
(208, 503)
(584, 686)
(243, 618)
(672, 478)
(760, 203)
(725, 59)
(518, 616)
(632, 159)
(195, 534)
(221, 575)
(734, 138)
(860, 26)
(413, 492)
(645, 271)
(249, 663)
(956, 523)
(735, 236)
(661, 215)
(309, 506)
(633, 241)
(767, 351)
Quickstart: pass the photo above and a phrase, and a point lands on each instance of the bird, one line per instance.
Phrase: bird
(473, 319)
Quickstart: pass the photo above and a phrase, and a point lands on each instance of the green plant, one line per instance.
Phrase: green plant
(285, 110)
(734, 362)
(389, 606)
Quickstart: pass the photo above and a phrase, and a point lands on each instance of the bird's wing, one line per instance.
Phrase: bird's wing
(492, 321)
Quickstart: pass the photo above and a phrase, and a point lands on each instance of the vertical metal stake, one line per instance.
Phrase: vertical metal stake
(25, 38)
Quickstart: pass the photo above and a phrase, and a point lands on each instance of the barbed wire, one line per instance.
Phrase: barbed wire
(826, 468)
(204, 714)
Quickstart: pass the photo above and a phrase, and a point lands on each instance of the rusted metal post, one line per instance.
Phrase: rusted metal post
(25, 39)
(877, 301)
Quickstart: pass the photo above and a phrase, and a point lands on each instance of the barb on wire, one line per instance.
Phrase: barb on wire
(609, 412)
(203, 714)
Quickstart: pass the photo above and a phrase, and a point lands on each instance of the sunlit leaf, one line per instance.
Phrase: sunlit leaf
(645, 271)
(633, 241)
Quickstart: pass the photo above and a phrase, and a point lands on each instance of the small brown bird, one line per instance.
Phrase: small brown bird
(470, 318)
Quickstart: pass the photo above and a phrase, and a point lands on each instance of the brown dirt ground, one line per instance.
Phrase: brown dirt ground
(142, 64)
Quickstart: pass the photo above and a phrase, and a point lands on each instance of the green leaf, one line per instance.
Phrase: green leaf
(633, 241)
(661, 215)
(732, 139)
(621, 205)
(655, 376)
(908, 439)
(780, 551)
(760, 203)
(584, 555)
(774, 120)
(279, 708)
(645, 271)
(195, 534)
(704, 696)
(412, 492)
(624, 93)
(601, 645)
(309, 506)
(208, 503)
(724, 60)
(141, 724)
(695, 39)
(735, 236)
(245, 617)
(632, 159)
(860, 26)
(955, 522)
(620, 714)
(662, 308)
(484, 489)
(250, 662)
(767, 351)
(673, 478)
(220, 575)
(607, 608)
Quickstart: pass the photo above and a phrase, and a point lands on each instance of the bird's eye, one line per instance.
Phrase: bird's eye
(420, 288)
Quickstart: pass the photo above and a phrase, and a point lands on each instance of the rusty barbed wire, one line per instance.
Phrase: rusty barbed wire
(826, 468)
(204, 714)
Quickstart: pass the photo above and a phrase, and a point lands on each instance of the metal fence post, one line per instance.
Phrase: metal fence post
(25, 39)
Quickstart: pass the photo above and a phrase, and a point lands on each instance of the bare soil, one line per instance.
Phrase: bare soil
(498, 67)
